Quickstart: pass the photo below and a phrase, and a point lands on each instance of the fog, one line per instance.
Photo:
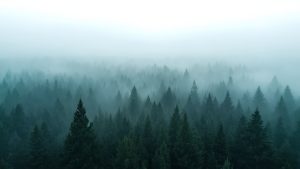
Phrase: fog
(164, 84)
(236, 32)
(262, 35)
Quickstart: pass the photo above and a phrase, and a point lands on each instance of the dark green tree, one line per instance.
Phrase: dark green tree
(260, 154)
(38, 150)
(168, 100)
(148, 142)
(259, 100)
(289, 98)
(193, 103)
(282, 112)
(187, 150)
(227, 106)
(295, 139)
(80, 149)
(173, 138)
(220, 147)
(239, 147)
(280, 133)
(134, 103)
(126, 155)
(161, 157)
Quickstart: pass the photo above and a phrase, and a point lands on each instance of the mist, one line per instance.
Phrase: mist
(153, 85)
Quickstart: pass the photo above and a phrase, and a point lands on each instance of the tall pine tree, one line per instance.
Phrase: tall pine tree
(80, 149)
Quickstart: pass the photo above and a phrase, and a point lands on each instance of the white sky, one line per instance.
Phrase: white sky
(155, 15)
(226, 29)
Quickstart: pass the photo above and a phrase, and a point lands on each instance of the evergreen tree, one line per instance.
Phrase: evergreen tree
(126, 155)
(18, 118)
(193, 103)
(239, 109)
(259, 100)
(18, 141)
(168, 100)
(239, 148)
(187, 151)
(161, 157)
(173, 138)
(148, 142)
(208, 160)
(258, 146)
(285, 157)
(281, 111)
(209, 112)
(220, 147)
(80, 149)
(38, 151)
(280, 134)
(289, 98)
(295, 139)
(227, 106)
(134, 103)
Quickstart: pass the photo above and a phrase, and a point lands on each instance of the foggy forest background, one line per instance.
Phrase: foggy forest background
(148, 117)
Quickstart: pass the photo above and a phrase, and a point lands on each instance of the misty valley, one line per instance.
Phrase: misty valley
(151, 117)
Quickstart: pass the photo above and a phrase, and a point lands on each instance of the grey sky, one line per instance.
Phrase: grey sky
(235, 31)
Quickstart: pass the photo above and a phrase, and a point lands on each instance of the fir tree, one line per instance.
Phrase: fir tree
(161, 158)
(193, 103)
(187, 151)
(289, 98)
(38, 152)
(126, 155)
(259, 100)
(80, 149)
(134, 103)
(173, 138)
(259, 150)
(220, 147)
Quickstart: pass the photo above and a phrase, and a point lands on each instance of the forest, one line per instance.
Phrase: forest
(155, 117)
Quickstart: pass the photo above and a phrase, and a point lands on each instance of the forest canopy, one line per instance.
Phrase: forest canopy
(157, 117)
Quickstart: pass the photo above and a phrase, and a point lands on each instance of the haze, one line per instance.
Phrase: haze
(225, 30)
(263, 35)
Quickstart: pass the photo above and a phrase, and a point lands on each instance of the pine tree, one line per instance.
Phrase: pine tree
(38, 152)
(208, 160)
(239, 148)
(289, 98)
(295, 139)
(80, 149)
(20, 129)
(187, 151)
(280, 134)
(161, 158)
(134, 103)
(126, 155)
(281, 111)
(148, 142)
(239, 109)
(173, 138)
(193, 103)
(168, 100)
(227, 106)
(209, 111)
(258, 146)
(259, 100)
(220, 147)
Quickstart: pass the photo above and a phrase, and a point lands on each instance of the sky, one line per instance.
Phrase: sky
(234, 31)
